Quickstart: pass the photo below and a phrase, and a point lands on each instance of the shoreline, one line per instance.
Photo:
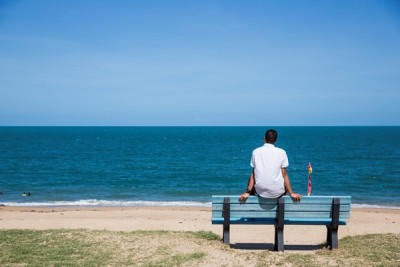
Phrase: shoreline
(132, 204)
(368, 208)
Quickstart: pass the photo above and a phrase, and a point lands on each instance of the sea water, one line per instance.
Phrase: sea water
(132, 166)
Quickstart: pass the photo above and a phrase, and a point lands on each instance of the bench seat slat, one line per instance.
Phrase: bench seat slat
(310, 221)
(244, 221)
(309, 214)
(288, 214)
(288, 221)
(304, 199)
(255, 207)
(314, 207)
(251, 199)
(288, 207)
(247, 214)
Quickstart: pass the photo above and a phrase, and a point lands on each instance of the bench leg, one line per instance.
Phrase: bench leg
(279, 245)
(226, 234)
(332, 229)
(332, 238)
(227, 218)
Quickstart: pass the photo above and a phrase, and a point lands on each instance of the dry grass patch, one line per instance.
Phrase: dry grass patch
(162, 248)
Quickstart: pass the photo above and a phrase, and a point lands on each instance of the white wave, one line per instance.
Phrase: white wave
(366, 206)
(107, 203)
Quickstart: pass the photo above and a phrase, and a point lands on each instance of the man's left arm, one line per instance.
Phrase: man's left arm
(286, 180)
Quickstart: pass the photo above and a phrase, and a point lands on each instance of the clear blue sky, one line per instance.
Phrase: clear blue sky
(269, 63)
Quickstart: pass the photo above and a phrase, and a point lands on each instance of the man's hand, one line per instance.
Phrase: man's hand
(243, 197)
(295, 196)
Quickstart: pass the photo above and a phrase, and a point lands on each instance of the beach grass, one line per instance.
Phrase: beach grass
(168, 248)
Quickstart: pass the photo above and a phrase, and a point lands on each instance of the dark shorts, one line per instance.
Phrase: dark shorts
(254, 193)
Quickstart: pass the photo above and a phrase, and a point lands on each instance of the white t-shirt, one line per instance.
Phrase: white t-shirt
(267, 162)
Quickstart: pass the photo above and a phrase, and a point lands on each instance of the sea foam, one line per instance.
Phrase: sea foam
(108, 203)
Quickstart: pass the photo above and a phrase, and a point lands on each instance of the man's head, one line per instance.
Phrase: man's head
(271, 136)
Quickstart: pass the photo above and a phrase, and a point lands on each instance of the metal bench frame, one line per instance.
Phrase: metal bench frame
(278, 220)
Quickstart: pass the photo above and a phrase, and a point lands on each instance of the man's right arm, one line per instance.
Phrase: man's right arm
(288, 187)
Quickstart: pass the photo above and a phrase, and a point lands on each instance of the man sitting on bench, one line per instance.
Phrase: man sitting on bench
(269, 178)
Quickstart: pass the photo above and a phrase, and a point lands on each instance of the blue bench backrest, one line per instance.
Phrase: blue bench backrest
(257, 210)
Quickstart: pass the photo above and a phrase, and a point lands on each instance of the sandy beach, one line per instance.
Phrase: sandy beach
(362, 221)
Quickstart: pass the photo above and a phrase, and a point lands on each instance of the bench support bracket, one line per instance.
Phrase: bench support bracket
(279, 225)
(332, 229)
(227, 220)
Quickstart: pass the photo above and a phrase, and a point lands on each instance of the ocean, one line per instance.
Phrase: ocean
(156, 166)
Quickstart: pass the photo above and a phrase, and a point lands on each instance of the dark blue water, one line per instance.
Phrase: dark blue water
(186, 165)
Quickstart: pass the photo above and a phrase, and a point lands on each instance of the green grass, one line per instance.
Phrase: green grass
(164, 248)
(49, 248)
(368, 250)
(205, 235)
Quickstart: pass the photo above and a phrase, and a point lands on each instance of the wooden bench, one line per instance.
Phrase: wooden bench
(330, 211)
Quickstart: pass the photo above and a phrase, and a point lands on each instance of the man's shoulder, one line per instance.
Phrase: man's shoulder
(268, 147)
(259, 149)
(280, 149)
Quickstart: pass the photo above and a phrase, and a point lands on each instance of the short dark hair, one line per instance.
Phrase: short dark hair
(271, 136)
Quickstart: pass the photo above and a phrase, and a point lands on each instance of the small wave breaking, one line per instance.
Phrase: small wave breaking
(108, 203)
(368, 206)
